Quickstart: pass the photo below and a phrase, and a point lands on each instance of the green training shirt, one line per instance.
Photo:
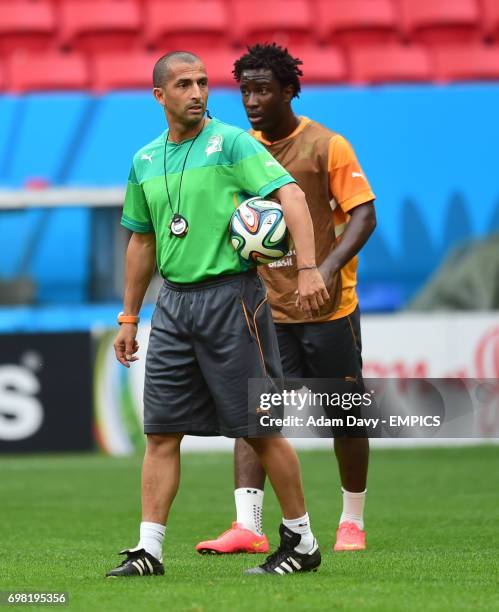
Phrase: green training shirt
(224, 167)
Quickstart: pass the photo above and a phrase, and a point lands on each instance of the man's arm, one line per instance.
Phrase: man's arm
(312, 293)
(359, 228)
(139, 268)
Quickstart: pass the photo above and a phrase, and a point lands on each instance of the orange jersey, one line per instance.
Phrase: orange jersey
(325, 166)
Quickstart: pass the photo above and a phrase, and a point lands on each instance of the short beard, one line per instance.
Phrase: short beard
(191, 122)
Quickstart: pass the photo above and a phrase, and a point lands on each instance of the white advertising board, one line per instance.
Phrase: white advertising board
(394, 346)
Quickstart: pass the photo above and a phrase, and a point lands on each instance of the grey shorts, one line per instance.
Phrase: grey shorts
(206, 340)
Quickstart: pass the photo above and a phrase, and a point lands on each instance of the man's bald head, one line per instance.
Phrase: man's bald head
(161, 71)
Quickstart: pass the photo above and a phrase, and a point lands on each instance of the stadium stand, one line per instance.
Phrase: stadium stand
(193, 25)
(421, 38)
(390, 63)
(26, 24)
(51, 247)
(113, 45)
(440, 21)
(417, 193)
(89, 26)
(28, 72)
(490, 18)
(353, 22)
(127, 119)
(322, 64)
(219, 66)
(465, 63)
(287, 22)
(111, 71)
(43, 134)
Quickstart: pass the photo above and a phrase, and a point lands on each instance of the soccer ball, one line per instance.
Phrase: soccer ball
(258, 232)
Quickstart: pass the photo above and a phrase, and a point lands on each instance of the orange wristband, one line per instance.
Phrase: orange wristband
(123, 318)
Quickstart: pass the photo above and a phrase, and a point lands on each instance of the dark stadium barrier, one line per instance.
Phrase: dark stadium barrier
(45, 392)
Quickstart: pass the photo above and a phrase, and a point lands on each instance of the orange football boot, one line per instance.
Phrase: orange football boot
(349, 537)
(237, 539)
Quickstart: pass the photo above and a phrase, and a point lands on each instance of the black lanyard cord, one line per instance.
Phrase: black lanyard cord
(181, 174)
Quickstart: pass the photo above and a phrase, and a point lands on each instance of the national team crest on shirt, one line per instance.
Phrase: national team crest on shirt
(214, 144)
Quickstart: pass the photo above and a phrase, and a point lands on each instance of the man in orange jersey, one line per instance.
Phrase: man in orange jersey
(340, 201)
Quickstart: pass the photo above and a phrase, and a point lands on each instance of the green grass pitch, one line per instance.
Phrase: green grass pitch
(432, 528)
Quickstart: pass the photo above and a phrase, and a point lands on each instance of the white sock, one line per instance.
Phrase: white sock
(353, 507)
(301, 525)
(249, 508)
(151, 538)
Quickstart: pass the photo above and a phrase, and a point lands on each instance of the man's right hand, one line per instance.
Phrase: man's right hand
(312, 292)
(125, 345)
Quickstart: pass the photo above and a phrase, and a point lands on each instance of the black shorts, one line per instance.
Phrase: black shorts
(330, 350)
(206, 340)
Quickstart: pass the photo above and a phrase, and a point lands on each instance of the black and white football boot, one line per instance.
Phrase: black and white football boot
(286, 560)
(138, 562)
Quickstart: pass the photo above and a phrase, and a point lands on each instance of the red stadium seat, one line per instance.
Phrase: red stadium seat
(119, 70)
(321, 64)
(26, 24)
(108, 72)
(50, 71)
(490, 18)
(88, 25)
(353, 22)
(390, 63)
(2, 78)
(286, 22)
(466, 62)
(189, 25)
(219, 65)
(440, 21)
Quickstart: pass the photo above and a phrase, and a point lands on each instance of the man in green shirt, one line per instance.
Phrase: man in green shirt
(212, 328)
